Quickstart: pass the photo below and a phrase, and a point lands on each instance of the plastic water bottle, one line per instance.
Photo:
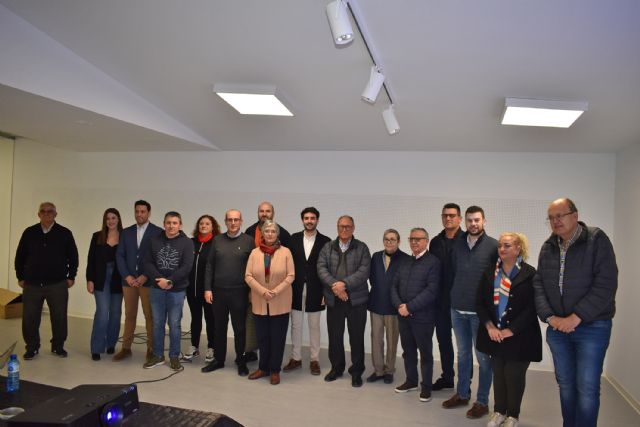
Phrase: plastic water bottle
(13, 374)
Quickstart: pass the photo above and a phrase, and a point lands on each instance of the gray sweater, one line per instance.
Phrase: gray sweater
(227, 262)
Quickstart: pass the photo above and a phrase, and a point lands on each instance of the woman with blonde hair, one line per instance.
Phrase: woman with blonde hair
(509, 330)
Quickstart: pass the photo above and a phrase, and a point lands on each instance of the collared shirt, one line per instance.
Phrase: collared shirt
(420, 254)
(45, 230)
(140, 232)
(233, 236)
(308, 242)
(564, 247)
(344, 246)
(472, 240)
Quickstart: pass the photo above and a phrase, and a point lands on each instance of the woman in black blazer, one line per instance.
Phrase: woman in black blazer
(509, 330)
(103, 281)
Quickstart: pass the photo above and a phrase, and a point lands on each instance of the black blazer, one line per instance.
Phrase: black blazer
(99, 256)
(306, 272)
(521, 318)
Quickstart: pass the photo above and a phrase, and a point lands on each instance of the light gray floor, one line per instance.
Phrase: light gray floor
(300, 400)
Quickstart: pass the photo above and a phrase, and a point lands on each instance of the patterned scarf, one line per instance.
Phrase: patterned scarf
(502, 286)
(268, 252)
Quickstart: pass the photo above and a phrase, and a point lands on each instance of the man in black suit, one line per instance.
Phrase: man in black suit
(305, 247)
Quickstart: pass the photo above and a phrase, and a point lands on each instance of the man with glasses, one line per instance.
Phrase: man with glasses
(46, 264)
(472, 254)
(343, 268)
(384, 316)
(575, 288)
(441, 246)
(413, 294)
(226, 289)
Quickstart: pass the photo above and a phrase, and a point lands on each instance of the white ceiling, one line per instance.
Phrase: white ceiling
(449, 64)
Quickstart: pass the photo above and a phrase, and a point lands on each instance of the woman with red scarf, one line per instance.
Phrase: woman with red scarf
(206, 229)
(509, 330)
(269, 274)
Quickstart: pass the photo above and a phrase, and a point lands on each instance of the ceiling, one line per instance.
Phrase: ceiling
(449, 66)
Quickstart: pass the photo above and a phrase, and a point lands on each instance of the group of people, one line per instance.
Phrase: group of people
(465, 281)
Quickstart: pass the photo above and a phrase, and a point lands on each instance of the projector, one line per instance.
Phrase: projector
(85, 405)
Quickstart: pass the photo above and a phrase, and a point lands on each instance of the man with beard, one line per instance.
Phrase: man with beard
(307, 289)
(473, 253)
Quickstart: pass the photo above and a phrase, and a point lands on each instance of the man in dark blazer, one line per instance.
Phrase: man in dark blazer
(134, 242)
(305, 247)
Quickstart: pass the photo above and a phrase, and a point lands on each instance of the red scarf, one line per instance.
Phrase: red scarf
(204, 238)
(268, 252)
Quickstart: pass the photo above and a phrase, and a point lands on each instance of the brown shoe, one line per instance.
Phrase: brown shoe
(275, 378)
(293, 364)
(257, 374)
(122, 354)
(455, 401)
(314, 366)
(477, 410)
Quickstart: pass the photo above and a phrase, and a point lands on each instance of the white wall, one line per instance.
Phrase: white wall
(622, 358)
(380, 189)
(6, 174)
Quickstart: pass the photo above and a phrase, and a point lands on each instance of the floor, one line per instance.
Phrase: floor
(300, 400)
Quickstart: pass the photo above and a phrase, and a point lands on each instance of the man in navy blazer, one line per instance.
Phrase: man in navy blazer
(134, 242)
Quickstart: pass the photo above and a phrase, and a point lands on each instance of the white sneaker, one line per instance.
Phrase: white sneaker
(510, 422)
(209, 356)
(193, 352)
(496, 419)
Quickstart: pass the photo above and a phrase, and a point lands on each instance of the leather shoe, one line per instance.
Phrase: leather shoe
(243, 371)
(388, 378)
(455, 401)
(293, 364)
(477, 410)
(356, 380)
(314, 366)
(95, 356)
(374, 377)
(275, 378)
(214, 365)
(332, 376)
(257, 374)
(441, 384)
(60, 352)
(30, 354)
(111, 350)
(122, 354)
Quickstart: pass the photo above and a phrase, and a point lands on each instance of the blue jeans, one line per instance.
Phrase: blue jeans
(166, 305)
(578, 359)
(465, 327)
(106, 321)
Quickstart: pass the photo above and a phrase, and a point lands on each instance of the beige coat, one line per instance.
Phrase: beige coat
(282, 275)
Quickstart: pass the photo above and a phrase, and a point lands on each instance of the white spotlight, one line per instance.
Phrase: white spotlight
(371, 91)
(339, 22)
(390, 121)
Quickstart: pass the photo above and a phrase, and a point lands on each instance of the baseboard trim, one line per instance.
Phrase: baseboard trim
(623, 392)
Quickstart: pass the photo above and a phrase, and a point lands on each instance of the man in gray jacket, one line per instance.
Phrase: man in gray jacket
(343, 269)
(575, 288)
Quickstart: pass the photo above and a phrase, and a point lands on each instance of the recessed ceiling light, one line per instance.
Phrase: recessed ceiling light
(540, 112)
(253, 99)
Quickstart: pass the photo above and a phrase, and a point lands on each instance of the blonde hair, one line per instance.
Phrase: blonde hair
(521, 240)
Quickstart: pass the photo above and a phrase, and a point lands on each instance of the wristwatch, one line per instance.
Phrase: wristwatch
(170, 282)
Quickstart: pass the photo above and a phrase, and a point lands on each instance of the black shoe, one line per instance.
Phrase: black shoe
(250, 356)
(111, 350)
(356, 380)
(332, 376)
(30, 354)
(215, 364)
(374, 377)
(95, 356)
(243, 371)
(405, 387)
(441, 384)
(61, 352)
(388, 378)
(425, 396)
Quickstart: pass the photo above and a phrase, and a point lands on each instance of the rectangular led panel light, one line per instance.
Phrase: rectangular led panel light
(253, 99)
(539, 112)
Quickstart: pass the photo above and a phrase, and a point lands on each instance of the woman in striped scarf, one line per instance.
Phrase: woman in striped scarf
(509, 330)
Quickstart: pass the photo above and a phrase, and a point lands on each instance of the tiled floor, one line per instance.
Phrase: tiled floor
(300, 399)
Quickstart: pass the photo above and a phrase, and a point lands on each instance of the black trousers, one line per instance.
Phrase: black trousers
(445, 342)
(197, 305)
(57, 297)
(356, 317)
(509, 380)
(229, 302)
(414, 337)
(271, 332)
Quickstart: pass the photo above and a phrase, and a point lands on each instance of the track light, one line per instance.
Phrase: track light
(371, 91)
(390, 121)
(339, 22)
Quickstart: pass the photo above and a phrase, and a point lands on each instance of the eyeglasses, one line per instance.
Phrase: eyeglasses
(451, 216)
(416, 239)
(390, 240)
(47, 211)
(557, 217)
(345, 227)
(233, 219)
